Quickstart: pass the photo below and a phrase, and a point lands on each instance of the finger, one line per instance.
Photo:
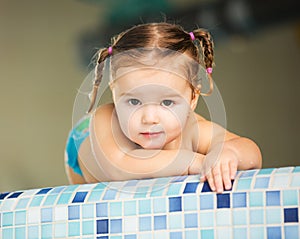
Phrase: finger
(226, 176)
(217, 176)
(211, 182)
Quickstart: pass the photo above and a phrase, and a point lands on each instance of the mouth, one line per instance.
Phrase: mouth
(151, 134)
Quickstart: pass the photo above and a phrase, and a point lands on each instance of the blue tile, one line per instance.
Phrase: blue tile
(101, 209)
(247, 173)
(191, 220)
(79, 197)
(73, 212)
(273, 198)
(190, 202)
(178, 179)
(160, 222)
(223, 200)
(129, 208)
(175, 235)
(64, 198)
(44, 191)
(291, 215)
(102, 226)
(239, 200)
(145, 223)
(3, 195)
(206, 187)
(46, 215)
(50, 200)
(116, 226)
(110, 194)
(103, 237)
(130, 236)
(206, 201)
(273, 232)
(291, 231)
(262, 182)
(175, 204)
(15, 195)
(191, 187)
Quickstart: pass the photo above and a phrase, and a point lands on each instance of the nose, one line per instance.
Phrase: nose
(150, 114)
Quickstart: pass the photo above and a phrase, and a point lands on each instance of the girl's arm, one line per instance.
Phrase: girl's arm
(225, 154)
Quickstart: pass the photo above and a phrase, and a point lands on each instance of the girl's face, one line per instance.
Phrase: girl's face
(152, 106)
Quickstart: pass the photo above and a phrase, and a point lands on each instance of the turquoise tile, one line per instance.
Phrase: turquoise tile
(115, 237)
(33, 232)
(88, 211)
(174, 189)
(57, 190)
(7, 219)
(22, 203)
(20, 217)
(291, 231)
(256, 216)
(159, 205)
(115, 209)
(208, 233)
(71, 188)
(95, 196)
(175, 221)
(295, 182)
(130, 208)
(36, 201)
(190, 203)
(64, 198)
(296, 169)
(47, 231)
(240, 232)
(273, 216)
(100, 186)
(50, 200)
(60, 230)
(290, 198)
(256, 199)
(239, 217)
(257, 232)
(20, 232)
(265, 171)
(223, 217)
(145, 206)
(141, 192)
(262, 182)
(7, 205)
(7, 233)
(88, 227)
(207, 219)
(73, 229)
(157, 191)
(244, 184)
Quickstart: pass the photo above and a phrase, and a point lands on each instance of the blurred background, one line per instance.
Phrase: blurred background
(46, 49)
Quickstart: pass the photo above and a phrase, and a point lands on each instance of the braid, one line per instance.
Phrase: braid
(102, 55)
(207, 46)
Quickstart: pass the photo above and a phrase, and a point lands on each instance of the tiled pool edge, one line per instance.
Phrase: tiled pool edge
(262, 204)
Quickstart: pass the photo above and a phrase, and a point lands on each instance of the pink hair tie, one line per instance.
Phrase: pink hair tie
(192, 36)
(209, 70)
(110, 50)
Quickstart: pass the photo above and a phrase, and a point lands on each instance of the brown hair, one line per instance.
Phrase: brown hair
(158, 35)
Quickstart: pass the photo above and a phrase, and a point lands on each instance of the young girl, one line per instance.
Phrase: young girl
(151, 129)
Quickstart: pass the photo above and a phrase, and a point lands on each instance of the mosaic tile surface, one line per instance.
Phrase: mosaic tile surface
(262, 204)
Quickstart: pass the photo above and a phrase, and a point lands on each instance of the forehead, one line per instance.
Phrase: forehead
(150, 79)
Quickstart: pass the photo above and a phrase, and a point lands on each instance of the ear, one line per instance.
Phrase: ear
(194, 100)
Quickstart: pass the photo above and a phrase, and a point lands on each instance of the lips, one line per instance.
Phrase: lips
(152, 134)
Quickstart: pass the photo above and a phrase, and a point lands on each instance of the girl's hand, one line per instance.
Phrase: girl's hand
(220, 173)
